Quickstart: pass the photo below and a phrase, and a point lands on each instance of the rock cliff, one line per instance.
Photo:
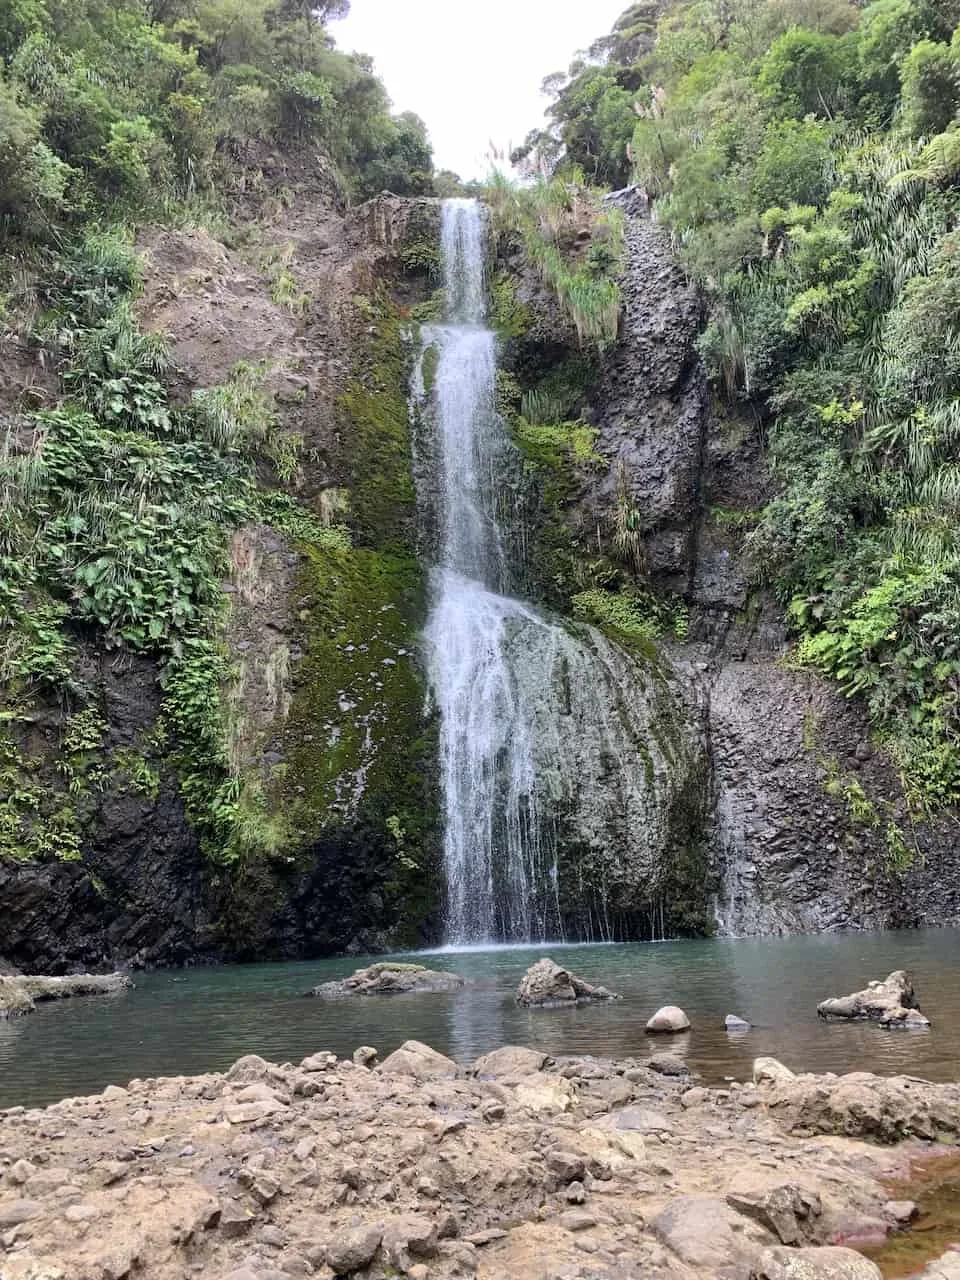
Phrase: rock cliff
(726, 789)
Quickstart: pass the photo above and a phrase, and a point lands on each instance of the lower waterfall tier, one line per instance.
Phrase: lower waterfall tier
(578, 784)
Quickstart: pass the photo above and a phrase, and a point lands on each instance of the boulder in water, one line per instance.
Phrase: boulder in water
(734, 1023)
(388, 978)
(546, 983)
(892, 1003)
(669, 1018)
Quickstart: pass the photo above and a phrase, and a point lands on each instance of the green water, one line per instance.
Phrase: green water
(203, 1019)
(934, 1186)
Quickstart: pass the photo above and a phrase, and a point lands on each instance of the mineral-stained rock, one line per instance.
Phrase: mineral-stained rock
(669, 1018)
(18, 994)
(546, 983)
(888, 1002)
(814, 1264)
(420, 1061)
(511, 1060)
(389, 978)
(945, 1268)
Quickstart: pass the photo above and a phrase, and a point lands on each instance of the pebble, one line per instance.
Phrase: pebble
(13, 1212)
(577, 1220)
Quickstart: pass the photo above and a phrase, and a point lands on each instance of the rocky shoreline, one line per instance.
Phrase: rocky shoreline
(516, 1167)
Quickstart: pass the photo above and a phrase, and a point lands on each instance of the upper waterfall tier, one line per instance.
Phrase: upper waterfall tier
(462, 246)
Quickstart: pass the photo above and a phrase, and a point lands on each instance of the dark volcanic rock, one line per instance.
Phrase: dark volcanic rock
(650, 406)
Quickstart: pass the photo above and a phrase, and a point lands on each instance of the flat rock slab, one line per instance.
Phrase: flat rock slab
(705, 1232)
(20, 993)
(546, 984)
(388, 979)
(827, 1263)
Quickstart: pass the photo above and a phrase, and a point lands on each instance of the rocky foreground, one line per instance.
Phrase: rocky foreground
(518, 1168)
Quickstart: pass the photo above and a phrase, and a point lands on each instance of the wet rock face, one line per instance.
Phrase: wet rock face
(138, 896)
(621, 769)
(650, 406)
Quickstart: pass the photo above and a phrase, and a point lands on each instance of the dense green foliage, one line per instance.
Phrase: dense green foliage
(116, 513)
(806, 158)
(118, 505)
(130, 109)
(575, 244)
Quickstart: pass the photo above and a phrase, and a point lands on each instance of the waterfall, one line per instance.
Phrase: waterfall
(543, 724)
(492, 828)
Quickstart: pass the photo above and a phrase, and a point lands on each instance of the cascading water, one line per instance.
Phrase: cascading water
(492, 845)
(543, 724)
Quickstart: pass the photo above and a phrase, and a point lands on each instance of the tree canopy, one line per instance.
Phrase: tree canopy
(124, 108)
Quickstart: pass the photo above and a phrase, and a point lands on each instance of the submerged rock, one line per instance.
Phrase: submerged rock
(19, 994)
(546, 983)
(389, 978)
(669, 1018)
(892, 1002)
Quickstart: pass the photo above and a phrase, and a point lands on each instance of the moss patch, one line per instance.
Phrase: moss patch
(356, 786)
(376, 431)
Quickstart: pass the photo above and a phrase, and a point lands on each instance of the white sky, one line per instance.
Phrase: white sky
(472, 68)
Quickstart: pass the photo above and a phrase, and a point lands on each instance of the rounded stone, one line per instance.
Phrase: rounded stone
(669, 1018)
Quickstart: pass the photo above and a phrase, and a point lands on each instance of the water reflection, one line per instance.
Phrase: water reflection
(204, 1019)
